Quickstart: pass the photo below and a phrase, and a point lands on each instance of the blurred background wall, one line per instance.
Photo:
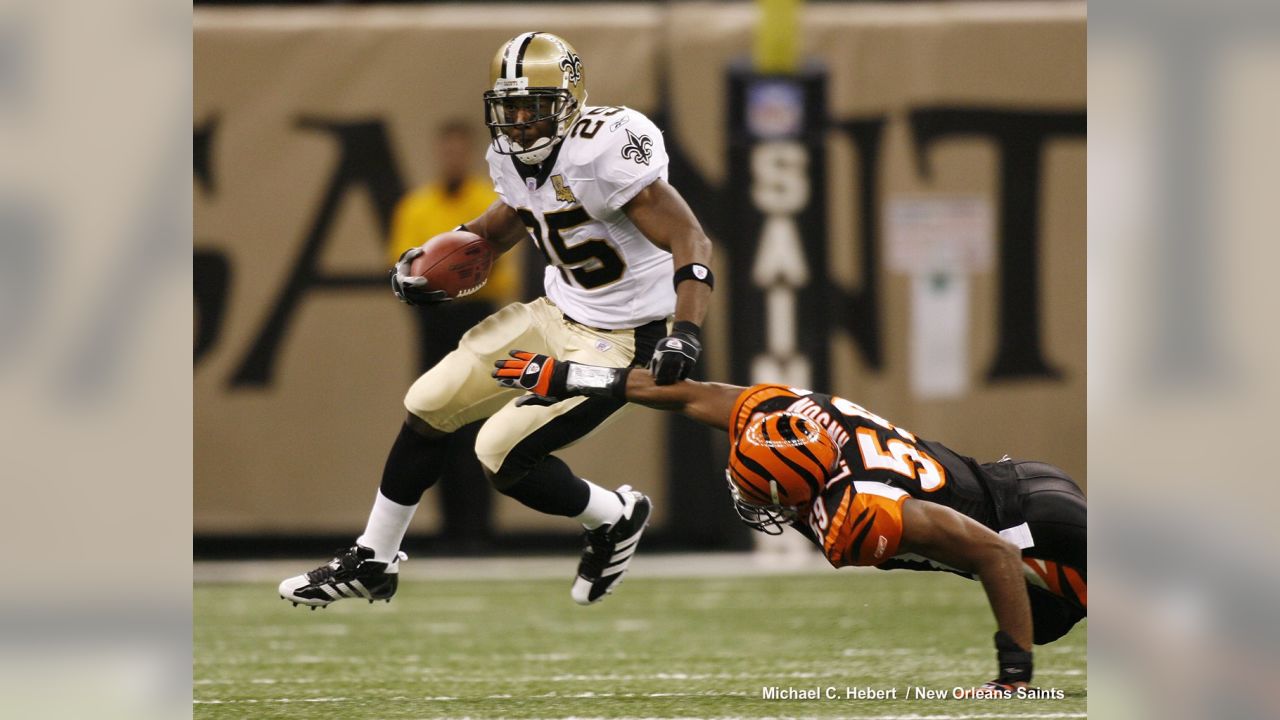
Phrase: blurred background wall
(951, 192)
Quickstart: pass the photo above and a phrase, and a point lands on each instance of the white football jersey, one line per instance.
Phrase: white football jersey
(601, 270)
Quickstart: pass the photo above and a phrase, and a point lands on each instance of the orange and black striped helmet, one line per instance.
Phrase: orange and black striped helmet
(777, 466)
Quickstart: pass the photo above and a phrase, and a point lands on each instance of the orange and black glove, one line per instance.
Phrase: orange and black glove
(548, 377)
(541, 375)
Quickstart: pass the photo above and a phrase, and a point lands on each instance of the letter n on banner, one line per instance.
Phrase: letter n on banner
(780, 320)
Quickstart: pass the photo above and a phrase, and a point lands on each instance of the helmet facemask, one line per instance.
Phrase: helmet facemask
(528, 123)
(768, 519)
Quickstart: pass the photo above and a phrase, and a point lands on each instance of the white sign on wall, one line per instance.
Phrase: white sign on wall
(940, 242)
(934, 233)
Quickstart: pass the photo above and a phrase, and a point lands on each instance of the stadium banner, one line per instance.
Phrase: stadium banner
(776, 145)
(311, 123)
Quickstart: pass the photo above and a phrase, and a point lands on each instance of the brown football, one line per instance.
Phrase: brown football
(456, 262)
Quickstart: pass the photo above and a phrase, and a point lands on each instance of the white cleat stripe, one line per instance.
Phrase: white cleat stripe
(627, 543)
(333, 592)
(359, 588)
(609, 572)
(622, 555)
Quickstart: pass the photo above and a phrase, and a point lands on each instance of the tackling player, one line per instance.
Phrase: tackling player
(624, 254)
(870, 493)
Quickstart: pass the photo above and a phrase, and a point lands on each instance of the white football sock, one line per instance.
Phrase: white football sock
(603, 508)
(388, 522)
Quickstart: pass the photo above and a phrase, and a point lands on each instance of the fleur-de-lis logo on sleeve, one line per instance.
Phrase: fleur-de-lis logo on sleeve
(638, 148)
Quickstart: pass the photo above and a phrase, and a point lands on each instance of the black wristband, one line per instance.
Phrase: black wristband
(1015, 662)
(694, 271)
(689, 328)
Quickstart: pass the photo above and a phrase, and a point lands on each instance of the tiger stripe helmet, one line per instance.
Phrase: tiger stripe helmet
(542, 72)
(778, 465)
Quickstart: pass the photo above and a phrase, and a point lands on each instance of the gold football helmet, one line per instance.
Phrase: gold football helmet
(537, 91)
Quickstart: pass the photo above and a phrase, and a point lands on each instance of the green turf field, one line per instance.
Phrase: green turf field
(658, 648)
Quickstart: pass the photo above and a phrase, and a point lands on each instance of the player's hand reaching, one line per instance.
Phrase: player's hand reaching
(541, 375)
(412, 289)
(675, 355)
(547, 377)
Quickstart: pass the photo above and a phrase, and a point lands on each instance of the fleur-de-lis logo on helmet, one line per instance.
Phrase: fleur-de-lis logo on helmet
(571, 64)
(638, 148)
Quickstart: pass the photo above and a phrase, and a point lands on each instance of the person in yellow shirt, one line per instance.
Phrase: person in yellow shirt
(440, 206)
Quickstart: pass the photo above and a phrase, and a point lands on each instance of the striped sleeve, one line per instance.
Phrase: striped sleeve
(866, 525)
(749, 400)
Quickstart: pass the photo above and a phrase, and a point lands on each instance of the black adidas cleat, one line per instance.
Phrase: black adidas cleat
(352, 574)
(609, 549)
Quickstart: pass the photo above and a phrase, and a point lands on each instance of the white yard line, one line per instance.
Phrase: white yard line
(912, 716)
(981, 716)
(772, 678)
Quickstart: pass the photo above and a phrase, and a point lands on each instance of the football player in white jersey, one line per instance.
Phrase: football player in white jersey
(627, 284)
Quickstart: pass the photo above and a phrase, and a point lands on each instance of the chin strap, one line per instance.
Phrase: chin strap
(539, 153)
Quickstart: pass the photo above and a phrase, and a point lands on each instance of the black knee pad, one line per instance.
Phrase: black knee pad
(413, 465)
(549, 487)
(506, 477)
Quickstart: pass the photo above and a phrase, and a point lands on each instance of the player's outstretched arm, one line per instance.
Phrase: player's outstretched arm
(942, 534)
(708, 403)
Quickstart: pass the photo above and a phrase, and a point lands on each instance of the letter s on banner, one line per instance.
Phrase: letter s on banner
(779, 178)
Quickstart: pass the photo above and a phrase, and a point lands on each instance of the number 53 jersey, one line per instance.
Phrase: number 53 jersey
(857, 519)
(601, 270)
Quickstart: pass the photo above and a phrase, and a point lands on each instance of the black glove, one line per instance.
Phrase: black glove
(1015, 662)
(410, 289)
(675, 355)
